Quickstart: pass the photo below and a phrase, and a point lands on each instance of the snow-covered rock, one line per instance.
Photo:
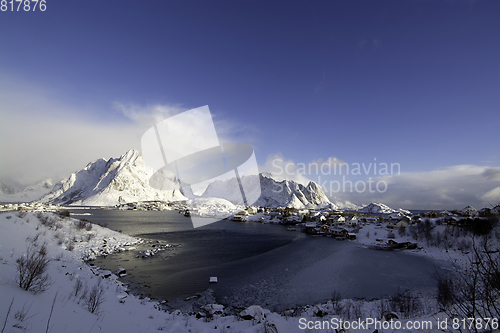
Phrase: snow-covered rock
(214, 309)
(108, 182)
(380, 208)
(274, 193)
(254, 312)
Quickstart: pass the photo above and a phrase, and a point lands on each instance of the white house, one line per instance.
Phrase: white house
(251, 210)
(401, 224)
(339, 219)
(353, 221)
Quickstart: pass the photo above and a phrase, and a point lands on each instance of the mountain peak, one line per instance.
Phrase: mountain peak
(107, 182)
(380, 208)
(275, 192)
(131, 155)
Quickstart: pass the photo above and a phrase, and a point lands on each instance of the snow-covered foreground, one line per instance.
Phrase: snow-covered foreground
(62, 308)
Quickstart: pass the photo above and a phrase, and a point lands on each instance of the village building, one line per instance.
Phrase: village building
(352, 222)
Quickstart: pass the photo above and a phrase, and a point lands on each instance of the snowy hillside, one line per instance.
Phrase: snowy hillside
(30, 193)
(380, 208)
(108, 182)
(344, 204)
(274, 193)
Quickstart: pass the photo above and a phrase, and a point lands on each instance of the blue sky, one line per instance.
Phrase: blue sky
(409, 82)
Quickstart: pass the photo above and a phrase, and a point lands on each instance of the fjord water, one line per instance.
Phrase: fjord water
(257, 263)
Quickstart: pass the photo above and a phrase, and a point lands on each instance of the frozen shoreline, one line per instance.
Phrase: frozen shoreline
(121, 311)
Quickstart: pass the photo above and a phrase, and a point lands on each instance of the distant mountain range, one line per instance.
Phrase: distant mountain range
(30, 193)
(108, 182)
(274, 193)
(380, 208)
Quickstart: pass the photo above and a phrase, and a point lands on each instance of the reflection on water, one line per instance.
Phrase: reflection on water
(258, 263)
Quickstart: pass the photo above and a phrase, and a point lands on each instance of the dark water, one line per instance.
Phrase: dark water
(258, 263)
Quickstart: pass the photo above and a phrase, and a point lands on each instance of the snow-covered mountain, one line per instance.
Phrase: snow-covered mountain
(108, 182)
(30, 193)
(380, 208)
(344, 204)
(274, 193)
(5, 189)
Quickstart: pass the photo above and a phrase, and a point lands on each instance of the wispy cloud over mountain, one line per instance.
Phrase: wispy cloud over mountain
(150, 114)
(445, 188)
(44, 137)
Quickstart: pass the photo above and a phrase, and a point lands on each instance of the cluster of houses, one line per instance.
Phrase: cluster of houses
(339, 226)
(147, 205)
(346, 225)
(330, 223)
(313, 228)
(30, 207)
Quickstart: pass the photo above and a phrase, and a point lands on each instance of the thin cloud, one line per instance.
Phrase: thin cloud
(43, 137)
(492, 196)
(227, 130)
(283, 168)
(321, 166)
(150, 114)
(41, 147)
(446, 188)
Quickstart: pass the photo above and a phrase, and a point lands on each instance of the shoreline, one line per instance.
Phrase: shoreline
(286, 286)
(122, 310)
